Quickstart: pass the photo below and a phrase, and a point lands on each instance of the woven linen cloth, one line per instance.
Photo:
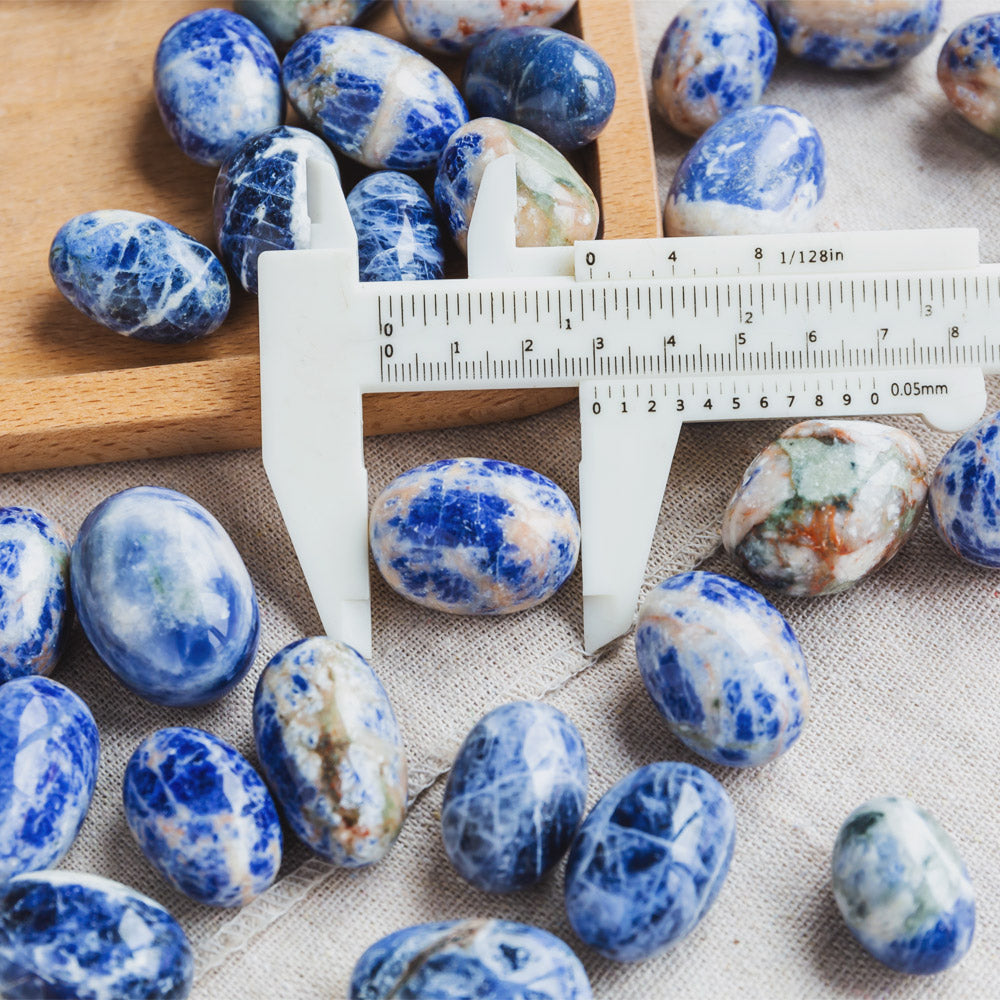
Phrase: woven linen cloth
(903, 666)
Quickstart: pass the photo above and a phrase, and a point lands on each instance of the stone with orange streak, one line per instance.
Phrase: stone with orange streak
(968, 70)
(283, 21)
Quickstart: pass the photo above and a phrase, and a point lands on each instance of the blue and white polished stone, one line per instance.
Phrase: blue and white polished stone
(474, 536)
(649, 860)
(372, 98)
(964, 495)
(514, 796)
(968, 70)
(723, 667)
(760, 170)
(544, 80)
(67, 934)
(398, 234)
(455, 960)
(855, 34)
(330, 749)
(902, 888)
(164, 597)
(139, 276)
(35, 608)
(285, 20)
(260, 198)
(218, 82)
(714, 58)
(49, 750)
(202, 816)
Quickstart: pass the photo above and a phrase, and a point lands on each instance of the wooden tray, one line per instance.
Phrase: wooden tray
(81, 132)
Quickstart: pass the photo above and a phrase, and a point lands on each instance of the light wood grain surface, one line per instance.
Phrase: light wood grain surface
(81, 132)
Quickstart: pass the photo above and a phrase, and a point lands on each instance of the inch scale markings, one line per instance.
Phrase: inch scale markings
(653, 332)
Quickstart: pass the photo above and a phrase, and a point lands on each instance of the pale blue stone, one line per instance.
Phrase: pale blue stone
(35, 609)
(723, 667)
(649, 860)
(218, 82)
(330, 749)
(67, 934)
(202, 816)
(164, 596)
(902, 888)
(514, 796)
(49, 750)
(285, 20)
(456, 960)
(139, 276)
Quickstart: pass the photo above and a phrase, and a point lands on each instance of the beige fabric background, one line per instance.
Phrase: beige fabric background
(904, 667)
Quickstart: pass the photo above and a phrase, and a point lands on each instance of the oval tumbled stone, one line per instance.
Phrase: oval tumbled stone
(759, 170)
(902, 888)
(285, 20)
(330, 749)
(723, 667)
(458, 959)
(474, 536)
(649, 860)
(514, 796)
(825, 505)
(202, 816)
(164, 597)
(139, 276)
(49, 749)
(372, 98)
(968, 70)
(35, 608)
(69, 934)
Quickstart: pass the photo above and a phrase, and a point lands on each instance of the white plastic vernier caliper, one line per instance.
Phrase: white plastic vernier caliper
(653, 332)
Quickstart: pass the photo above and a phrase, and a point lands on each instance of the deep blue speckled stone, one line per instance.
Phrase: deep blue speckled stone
(35, 607)
(139, 276)
(49, 750)
(260, 198)
(760, 170)
(514, 796)
(164, 597)
(67, 934)
(398, 234)
(372, 98)
(456, 960)
(542, 79)
(964, 496)
(649, 860)
(218, 82)
(285, 20)
(202, 816)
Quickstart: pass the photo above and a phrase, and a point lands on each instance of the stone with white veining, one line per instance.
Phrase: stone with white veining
(968, 70)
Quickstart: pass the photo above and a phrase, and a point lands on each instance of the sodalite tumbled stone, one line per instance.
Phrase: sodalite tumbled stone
(555, 207)
(70, 934)
(825, 505)
(544, 80)
(398, 235)
(514, 796)
(759, 170)
(202, 816)
(49, 750)
(372, 98)
(218, 82)
(902, 888)
(139, 276)
(723, 667)
(285, 20)
(455, 960)
(474, 536)
(35, 608)
(164, 597)
(260, 198)
(452, 28)
(968, 70)
(855, 34)
(964, 495)
(713, 59)
(649, 860)
(330, 749)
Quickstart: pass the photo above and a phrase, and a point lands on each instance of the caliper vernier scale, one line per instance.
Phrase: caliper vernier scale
(653, 332)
